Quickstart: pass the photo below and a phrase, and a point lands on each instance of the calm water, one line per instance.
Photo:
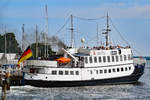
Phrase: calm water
(140, 91)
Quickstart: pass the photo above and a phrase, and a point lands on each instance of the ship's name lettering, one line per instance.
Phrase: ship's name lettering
(113, 52)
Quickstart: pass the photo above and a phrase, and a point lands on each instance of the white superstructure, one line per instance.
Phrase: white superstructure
(91, 65)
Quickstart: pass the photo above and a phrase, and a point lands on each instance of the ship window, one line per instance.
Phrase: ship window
(100, 60)
(60, 72)
(104, 59)
(71, 73)
(120, 57)
(91, 71)
(125, 58)
(77, 72)
(118, 70)
(116, 58)
(129, 68)
(91, 60)
(114, 70)
(101, 71)
(105, 71)
(121, 69)
(126, 69)
(108, 58)
(66, 73)
(129, 57)
(54, 72)
(113, 58)
(109, 70)
(95, 59)
(96, 71)
(86, 60)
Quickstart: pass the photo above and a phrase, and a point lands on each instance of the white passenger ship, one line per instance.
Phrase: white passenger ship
(86, 67)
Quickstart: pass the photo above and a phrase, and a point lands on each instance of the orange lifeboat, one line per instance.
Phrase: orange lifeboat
(63, 60)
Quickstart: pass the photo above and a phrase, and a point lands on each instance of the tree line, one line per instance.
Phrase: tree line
(12, 46)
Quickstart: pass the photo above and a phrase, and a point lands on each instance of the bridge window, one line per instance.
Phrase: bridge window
(113, 58)
(100, 60)
(125, 58)
(104, 59)
(54, 72)
(91, 60)
(116, 58)
(95, 59)
(129, 57)
(86, 60)
(108, 58)
(120, 57)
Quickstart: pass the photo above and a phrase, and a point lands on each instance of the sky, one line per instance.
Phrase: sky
(131, 17)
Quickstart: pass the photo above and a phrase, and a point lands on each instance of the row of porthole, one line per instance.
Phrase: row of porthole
(54, 72)
(111, 70)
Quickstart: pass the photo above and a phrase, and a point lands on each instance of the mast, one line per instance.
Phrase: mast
(46, 33)
(5, 42)
(72, 33)
(36, 33)
(23, 38)
(107, 32)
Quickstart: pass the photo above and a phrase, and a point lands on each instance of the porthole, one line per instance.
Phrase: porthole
(109, 70)
(105, 71)
(118, 70)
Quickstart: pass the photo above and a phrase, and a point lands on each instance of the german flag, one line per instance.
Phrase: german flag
(26, 55)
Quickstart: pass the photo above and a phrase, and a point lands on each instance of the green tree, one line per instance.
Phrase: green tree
(12, 45)
(41, 50)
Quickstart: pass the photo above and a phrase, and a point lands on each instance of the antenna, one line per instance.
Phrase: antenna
(72, 33)
(46, 33)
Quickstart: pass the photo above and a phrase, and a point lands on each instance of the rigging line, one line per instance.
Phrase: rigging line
(63, 26)
(137, 51)
(89, 19)
(118, 32)
(123, 38)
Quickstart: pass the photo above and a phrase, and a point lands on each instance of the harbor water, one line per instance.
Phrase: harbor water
(139, 91)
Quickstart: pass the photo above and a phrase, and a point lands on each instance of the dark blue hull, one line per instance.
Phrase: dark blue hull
(133, 78)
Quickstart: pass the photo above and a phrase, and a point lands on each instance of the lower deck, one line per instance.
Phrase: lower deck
(77, 74)
(133, 78)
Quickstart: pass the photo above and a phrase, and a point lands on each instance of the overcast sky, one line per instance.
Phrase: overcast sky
(131, 17)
